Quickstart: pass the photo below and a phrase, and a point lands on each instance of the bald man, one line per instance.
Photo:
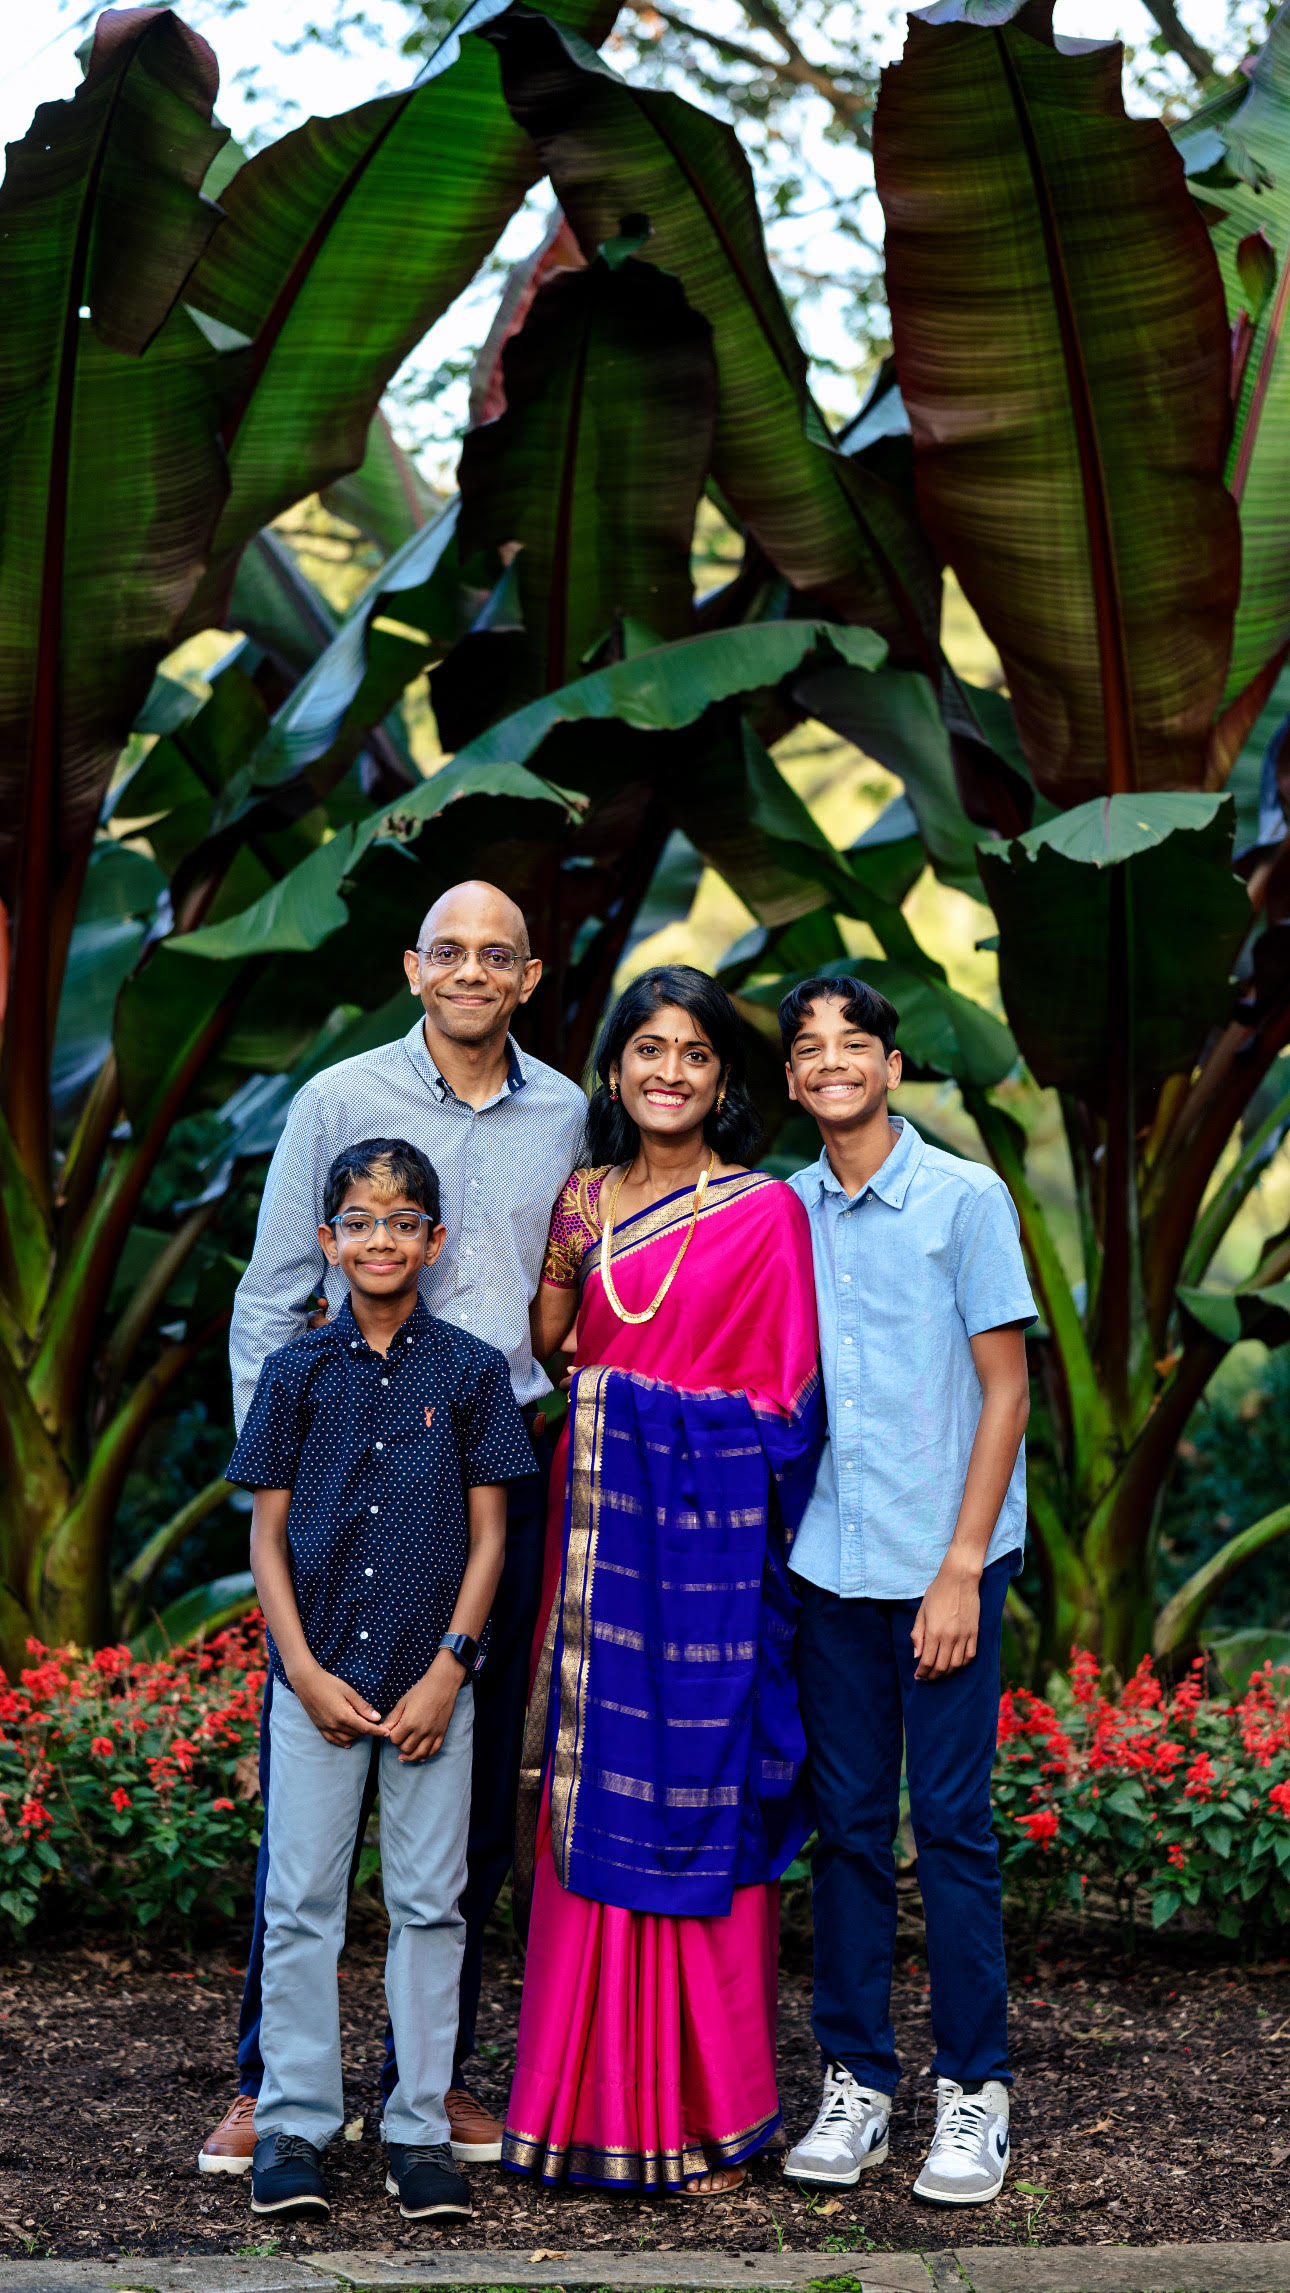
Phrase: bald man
(503, 1131)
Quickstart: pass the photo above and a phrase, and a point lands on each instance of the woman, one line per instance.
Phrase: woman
(664, 1753)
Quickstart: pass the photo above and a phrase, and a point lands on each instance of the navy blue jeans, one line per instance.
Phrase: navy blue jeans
(501, 1694)
(860, 1703)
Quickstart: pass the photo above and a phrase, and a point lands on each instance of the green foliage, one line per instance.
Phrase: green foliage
(123, 1785)
(1156, 1802)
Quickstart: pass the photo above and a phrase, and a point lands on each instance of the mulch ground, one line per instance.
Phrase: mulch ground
(1152, 2104)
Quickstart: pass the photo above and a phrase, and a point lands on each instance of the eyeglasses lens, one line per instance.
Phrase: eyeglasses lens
(405, 1226)
(446, 957)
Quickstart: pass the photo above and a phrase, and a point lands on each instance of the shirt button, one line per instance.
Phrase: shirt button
(362, 1636)
(385, 1380)
(845, 1405)
(374, 1508)
(367, 1572)
(474, 1182)
(381, 1444)
(851, 1530)
(846, 1277)
(353, 1345)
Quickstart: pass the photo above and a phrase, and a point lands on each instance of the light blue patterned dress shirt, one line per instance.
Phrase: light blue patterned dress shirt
(500, 1168)
(907, 1272)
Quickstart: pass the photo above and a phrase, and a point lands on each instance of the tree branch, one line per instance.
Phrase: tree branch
(847, 104)
(135, 1582)
(1198, 60)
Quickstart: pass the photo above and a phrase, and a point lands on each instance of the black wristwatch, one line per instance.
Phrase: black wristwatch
(466, 1651)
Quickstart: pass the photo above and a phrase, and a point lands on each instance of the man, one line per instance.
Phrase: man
(503, 1132)
(902, 1564)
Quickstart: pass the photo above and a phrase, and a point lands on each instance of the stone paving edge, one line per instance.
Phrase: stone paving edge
(1213, 2268)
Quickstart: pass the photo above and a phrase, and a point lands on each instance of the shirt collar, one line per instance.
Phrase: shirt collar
(890, 1182)
(348, 1338)
(414, 1043)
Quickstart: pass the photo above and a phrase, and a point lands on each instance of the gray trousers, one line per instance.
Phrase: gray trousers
(315, 1792)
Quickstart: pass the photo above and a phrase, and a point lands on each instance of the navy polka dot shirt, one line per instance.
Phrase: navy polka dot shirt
(378, 1451)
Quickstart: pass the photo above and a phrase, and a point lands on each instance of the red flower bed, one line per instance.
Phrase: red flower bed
(127, 1785)
(1157, 1800)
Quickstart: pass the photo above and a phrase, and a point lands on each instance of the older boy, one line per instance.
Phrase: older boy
(902, 1564)
(378, 1446)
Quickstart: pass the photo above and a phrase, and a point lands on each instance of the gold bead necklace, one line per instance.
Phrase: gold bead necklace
(607, 1245)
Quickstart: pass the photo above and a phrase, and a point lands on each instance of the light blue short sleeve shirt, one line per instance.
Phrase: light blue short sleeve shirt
(907, 1272)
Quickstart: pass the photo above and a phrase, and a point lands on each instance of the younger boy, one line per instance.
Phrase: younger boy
(377, 1446)
(902, 1564)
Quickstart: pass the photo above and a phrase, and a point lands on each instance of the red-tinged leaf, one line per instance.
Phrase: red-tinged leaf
(110, 472)
(1252, 242)
(344, 242)
(616, 152)
(1063, 354)
(597, 466)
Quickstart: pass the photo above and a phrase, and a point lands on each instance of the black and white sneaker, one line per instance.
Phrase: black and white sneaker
(849, 2134)
(425, 2181)
(287, 2176)
(969, 2154)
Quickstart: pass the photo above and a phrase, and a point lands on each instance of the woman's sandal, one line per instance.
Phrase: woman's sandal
(721, 2181)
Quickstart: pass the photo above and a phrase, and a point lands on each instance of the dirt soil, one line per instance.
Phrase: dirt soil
(1152, 2104)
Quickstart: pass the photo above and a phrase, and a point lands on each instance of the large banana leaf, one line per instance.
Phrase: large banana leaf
(1051, 891)
(343, 243)
(110, 474)
(1063, 355)
(598, 463)
(1250, 201)
(616, 153)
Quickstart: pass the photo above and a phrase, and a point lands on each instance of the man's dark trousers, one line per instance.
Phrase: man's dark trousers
(859, 1699)
(501, 1694)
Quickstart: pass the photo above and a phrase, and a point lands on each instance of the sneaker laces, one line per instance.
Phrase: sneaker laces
(427, 2154)
(961, 2127)
(835, 2110)
(288, 2146)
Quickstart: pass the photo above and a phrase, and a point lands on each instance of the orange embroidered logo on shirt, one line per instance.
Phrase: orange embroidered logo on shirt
(429, 1415)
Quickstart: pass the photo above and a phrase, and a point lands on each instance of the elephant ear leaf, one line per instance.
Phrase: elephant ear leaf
(597, 465)
(110, 471)
(301, 272)
(1067, 387)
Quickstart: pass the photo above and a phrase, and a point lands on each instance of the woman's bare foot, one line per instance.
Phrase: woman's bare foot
(718, 2183)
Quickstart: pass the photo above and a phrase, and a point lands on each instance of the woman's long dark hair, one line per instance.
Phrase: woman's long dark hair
(735, 1131)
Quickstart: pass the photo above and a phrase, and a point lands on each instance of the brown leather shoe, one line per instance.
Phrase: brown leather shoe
(228, 2148)
(476, 2136)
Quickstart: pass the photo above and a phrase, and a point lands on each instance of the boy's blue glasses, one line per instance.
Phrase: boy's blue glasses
(400, 1225)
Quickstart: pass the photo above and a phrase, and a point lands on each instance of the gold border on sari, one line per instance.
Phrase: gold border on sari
(650, 1225)
(586, 1442)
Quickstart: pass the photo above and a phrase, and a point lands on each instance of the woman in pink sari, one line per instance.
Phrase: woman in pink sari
(664, 1751)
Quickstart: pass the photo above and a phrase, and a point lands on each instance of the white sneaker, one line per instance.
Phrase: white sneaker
(849, 2134)
(969, 2154)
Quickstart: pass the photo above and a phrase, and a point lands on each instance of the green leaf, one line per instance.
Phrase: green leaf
(1164, 1902)
(673, 685)
(892, 716)
(121, 890)
(1051, 892)
(422, 575)
(386, 497)
(1071, 467)
(829, 525)
(597, 466)
(343, 243)
(207, 1609)
(1253, 229)
(110, 469)
(1235, 1314)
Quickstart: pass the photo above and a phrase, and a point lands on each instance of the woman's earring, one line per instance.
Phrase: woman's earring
(721, 1098)
(613, 1088)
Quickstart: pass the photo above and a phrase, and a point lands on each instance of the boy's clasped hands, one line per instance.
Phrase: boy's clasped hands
(416, 1726)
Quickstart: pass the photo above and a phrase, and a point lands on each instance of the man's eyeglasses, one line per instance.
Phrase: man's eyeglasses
(445, 955)
(401, 1225)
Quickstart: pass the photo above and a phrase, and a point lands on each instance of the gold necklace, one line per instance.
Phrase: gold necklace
(607, 1245)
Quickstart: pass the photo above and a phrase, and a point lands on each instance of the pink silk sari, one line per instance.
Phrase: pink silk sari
(646, 2049)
